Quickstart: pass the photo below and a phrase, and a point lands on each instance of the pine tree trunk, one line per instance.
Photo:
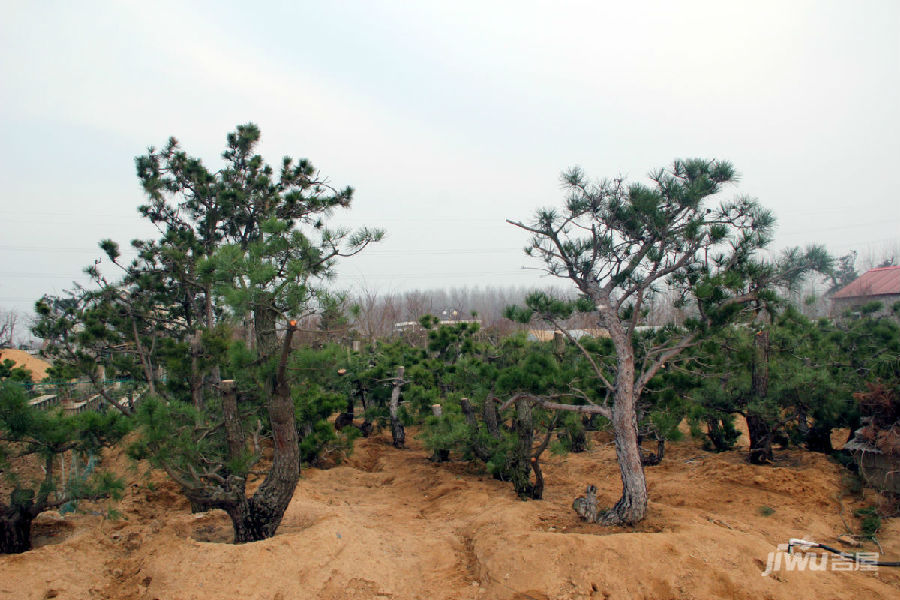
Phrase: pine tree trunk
(264, 319)
(366, 427)
(234, 431)
(196, 377)
(398, 434)
(819, 439)
(258, 517)
(537, 490)
(440, 454)
(577, 440)
(759, 430)
(760, 441)
(632, 506)
(476, 445)
(654, 458)
(716, 431)
(520, 471)
(144, 358)
(253, 520)
(490, 416)
(15, 530)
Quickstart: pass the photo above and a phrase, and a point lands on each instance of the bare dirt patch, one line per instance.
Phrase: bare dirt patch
(391, 524)
(37, 366)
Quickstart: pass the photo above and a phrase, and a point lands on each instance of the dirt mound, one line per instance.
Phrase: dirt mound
(391, 524)
(37, 366)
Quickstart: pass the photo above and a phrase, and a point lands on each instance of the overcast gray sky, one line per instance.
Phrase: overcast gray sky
(447, 117)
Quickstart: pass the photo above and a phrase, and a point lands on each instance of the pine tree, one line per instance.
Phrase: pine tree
(243, 248)
(620, 244)
(26, 433)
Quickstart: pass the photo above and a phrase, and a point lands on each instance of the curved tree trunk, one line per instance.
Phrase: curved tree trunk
(24, 506)
(258, 517)
(632, 506)
(15, 530)
(651, 459)
(144, 358)
(537, 491)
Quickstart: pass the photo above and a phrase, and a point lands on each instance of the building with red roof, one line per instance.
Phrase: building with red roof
(875, 285)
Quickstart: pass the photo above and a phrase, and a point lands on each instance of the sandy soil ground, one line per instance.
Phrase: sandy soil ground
(37, 366)
(391, 524)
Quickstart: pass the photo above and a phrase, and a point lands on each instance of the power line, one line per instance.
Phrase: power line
(338, 218)
(367, 252)
(127, 250)
(38, 275)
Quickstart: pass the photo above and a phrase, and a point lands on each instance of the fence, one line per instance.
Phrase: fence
(75, 396)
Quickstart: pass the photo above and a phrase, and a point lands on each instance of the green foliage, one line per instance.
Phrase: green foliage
(721, 434)
(175, 435)
(870, 520)
(812, 367)
(665, 423)
(850, 480)
(10, 372)
(241, 250)
(572, 436)
(448, 432)
(322, 393)
(871, 308)
(621, 244)
(844, 272)
(84, 330)
(26, 431)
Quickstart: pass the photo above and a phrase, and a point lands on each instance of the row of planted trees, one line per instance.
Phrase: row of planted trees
(205, 316)
(503, 403)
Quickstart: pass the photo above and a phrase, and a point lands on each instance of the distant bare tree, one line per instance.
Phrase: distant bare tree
(375, 314)
(883, 255)
(8, 320)
(417, 304)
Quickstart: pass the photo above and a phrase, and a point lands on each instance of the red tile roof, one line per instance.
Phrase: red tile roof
(876, 282)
